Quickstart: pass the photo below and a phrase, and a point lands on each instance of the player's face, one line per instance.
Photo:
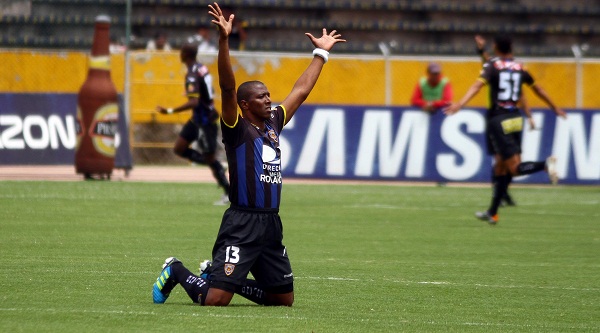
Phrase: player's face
(434, 78)
(259, 103)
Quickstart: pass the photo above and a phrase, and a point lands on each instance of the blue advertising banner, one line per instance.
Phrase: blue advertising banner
(37, 128)
(42, 129)
(343, 142)
(394, 143)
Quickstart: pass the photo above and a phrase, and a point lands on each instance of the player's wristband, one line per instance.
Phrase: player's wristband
(480, 51)
(321, 53)
(169, 110)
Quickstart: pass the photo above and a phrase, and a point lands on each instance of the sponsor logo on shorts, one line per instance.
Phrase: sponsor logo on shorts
(229, 269)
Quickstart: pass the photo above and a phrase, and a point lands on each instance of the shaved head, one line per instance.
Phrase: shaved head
(503, 44)
(246, 89)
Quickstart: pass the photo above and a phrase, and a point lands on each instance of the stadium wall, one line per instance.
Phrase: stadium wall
(38, 102)
(157, 78)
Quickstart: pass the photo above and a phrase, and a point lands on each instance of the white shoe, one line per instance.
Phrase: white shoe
(223, 201)
(205, 267)
(551, 169)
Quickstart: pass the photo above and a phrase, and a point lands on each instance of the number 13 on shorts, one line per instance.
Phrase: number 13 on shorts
(232, 254)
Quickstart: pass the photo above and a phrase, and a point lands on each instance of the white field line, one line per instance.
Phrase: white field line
(446, 283)
(443, 208)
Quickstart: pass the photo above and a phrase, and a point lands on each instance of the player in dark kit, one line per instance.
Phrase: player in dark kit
(202, 126)
(506, 199)
(505, 78)
(251, 232)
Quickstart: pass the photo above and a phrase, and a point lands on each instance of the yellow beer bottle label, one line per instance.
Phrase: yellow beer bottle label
(102, 63)
(104, 128)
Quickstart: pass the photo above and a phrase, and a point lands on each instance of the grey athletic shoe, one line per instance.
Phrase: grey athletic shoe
(551, 169)
(223, 201)
(485, 216)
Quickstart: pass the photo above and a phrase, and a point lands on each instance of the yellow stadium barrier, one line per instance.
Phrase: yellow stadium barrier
(157, 79)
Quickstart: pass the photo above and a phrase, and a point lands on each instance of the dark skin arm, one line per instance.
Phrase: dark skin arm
(473, 90)
(229, 111)
(480, 41)
(541, 93)
(308, 79)
(190, 104)
(302, 87)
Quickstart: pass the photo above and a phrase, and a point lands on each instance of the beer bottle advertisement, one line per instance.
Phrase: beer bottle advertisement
(97, 110)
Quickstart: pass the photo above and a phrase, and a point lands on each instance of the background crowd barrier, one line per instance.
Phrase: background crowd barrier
(357, 97)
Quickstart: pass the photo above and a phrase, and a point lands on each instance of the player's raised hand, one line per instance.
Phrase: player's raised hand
(531, 123)
(326, 41)
(225, 24)
(561, 113)
(480, 41)
(161, 109)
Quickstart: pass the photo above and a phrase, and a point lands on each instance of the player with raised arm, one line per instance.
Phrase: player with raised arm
(251, 232)
(202, 126)
(523, 105)
(505, 76)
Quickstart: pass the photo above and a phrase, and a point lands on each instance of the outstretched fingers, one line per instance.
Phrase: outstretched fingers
(327, 40)
(219, 20)
(333, 34)
(215, 12)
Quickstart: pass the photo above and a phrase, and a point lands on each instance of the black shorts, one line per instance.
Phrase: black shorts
(505, 132)
(206, 135)
(250, 241)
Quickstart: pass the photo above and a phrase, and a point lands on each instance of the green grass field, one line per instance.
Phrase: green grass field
(82, 256)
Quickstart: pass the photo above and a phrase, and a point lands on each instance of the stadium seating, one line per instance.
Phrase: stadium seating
(540, 28)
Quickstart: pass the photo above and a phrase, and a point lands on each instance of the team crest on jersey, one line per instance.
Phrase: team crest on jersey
(272, 135)
(229, 269)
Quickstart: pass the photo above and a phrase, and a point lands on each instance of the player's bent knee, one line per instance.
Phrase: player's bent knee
(280, 299)
(218, 297)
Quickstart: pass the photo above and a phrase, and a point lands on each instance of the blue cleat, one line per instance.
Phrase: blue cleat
(165, 282)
